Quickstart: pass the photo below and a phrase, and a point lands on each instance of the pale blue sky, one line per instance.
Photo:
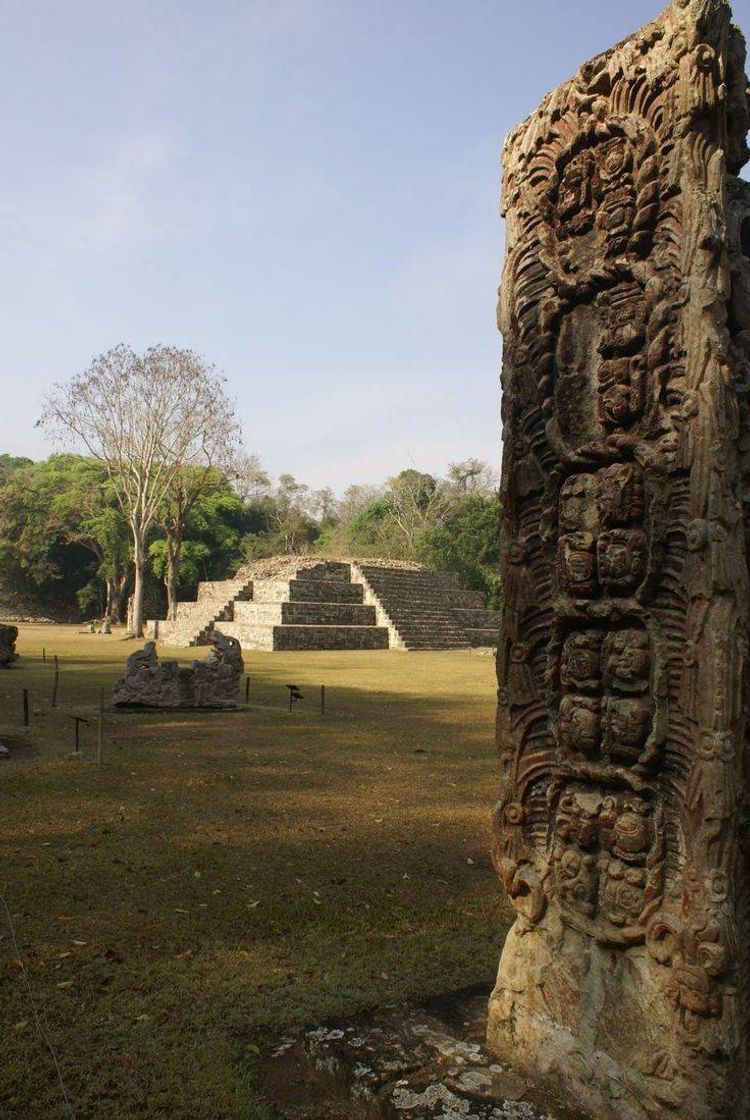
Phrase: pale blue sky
(303, 190)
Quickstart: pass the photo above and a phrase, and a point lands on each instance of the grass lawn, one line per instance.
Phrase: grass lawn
(227, 877)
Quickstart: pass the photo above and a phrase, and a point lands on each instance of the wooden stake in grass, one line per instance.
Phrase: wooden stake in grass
(26, 707)
(55, 683)
(322, 699)
(247, 690)
(44, 656)
(78, 720)
(100, 729)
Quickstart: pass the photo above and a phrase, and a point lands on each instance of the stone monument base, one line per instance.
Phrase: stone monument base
(404, 1063)
(564, 1005)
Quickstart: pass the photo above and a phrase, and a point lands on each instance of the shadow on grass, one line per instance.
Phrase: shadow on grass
(225, 878)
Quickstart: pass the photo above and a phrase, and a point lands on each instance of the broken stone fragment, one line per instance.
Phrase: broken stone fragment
(211, 683)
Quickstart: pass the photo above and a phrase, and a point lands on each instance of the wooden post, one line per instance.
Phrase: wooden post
(100, 729)
(55, 683)
(247, 690)
(44, 656)
(26, 707)
(322, 699)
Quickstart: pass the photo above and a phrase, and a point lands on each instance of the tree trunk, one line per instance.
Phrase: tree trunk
(174, 550)
(121, 597)
(139, 561)
(109, 610)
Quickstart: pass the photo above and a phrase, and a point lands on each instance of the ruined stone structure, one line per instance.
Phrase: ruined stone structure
(8, 636)
(210, 683)
(296, 603)
(620, 831)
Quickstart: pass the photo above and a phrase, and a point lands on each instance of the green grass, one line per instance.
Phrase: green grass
(227, 877)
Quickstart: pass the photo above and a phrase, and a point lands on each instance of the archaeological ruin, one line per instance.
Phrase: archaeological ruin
(8, 638)
(298, 603)
(621, 826)
(212, 683)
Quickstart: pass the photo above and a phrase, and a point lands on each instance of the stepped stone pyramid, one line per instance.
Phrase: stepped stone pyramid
(296, 603)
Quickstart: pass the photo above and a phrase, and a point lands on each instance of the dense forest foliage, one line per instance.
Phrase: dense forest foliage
(65, 545)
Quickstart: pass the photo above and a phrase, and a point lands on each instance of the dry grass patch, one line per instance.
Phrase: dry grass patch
(226, 877)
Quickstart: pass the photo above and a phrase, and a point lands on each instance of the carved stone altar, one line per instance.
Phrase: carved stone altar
(210, 683)
(620, 830)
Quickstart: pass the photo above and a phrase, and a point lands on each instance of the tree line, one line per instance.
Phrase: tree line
(156, 494)
(65, 543)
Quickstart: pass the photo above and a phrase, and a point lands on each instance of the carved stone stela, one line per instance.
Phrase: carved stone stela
(620, 830)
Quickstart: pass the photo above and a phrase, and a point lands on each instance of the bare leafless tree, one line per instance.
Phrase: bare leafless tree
(355, 498)
(472, 476)
(250, 481)
(417, 502)
(151, 420)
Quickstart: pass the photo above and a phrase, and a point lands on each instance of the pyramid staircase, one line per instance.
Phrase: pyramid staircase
(428, 610)
(342, 605)
(195, 621)
(318, 608)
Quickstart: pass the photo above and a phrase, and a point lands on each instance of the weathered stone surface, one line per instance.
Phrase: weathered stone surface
(623, 665)
(403, 1063)
(304, 603)
(210, 683)
(8, 636)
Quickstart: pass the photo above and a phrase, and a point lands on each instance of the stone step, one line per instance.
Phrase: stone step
(422, 618)
(328, 570)
(194, 622)
(248, 635)
(330, 637)
(427, 609)
(305, 614)
(393, 575)
(325, 590)
(411, 632)
(438, 643)
(418, 618)
(406, 610)
(482, 637)
(294, 637)
(435, 641)
(476, 619)
(270, 590)
(411, 586)
(307, 590)
(422, 591)
(224, 589)
(409, 602)
(468, 599)
(424, 610)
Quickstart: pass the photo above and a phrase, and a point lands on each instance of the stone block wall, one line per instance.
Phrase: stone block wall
(287, 604)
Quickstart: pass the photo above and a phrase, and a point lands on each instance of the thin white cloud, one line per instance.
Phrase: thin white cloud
(96, 207)
(110, 202)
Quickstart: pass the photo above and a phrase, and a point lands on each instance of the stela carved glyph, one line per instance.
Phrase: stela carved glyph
(621, 826)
